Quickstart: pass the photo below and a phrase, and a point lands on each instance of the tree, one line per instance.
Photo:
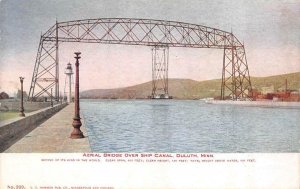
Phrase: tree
(4, 95)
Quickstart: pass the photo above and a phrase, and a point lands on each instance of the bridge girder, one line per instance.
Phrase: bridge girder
(139, 32)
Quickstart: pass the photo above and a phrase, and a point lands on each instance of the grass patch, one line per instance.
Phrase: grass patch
(8, 115)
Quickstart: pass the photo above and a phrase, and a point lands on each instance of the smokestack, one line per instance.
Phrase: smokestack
(285, 86)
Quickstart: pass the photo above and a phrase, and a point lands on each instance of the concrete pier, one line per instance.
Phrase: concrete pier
(266, 104)
(53, 136)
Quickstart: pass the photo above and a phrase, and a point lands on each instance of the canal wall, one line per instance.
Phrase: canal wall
(7, 105)
(14, 129)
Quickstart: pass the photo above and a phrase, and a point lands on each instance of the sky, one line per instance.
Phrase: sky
(269, 29)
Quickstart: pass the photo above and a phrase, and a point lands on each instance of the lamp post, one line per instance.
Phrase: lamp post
(22, 107)
(61, 98)
(51, 99)
(77, 133)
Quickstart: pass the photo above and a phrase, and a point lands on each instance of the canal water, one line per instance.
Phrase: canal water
(182, 126)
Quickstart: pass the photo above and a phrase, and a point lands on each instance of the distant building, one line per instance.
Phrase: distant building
(266, 90)
(19, 94)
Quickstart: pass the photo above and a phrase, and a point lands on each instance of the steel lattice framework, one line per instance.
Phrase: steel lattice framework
(157, 33)
(160, 61)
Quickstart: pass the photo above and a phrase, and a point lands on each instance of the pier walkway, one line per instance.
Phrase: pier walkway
(52, 136)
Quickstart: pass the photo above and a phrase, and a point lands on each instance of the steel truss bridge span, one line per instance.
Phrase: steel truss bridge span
(159, 34)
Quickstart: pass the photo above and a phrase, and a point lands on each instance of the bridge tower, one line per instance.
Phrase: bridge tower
(236, 83)
(160, 62)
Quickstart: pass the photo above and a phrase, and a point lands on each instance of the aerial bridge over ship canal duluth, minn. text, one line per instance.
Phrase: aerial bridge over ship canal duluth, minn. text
(158, 34)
